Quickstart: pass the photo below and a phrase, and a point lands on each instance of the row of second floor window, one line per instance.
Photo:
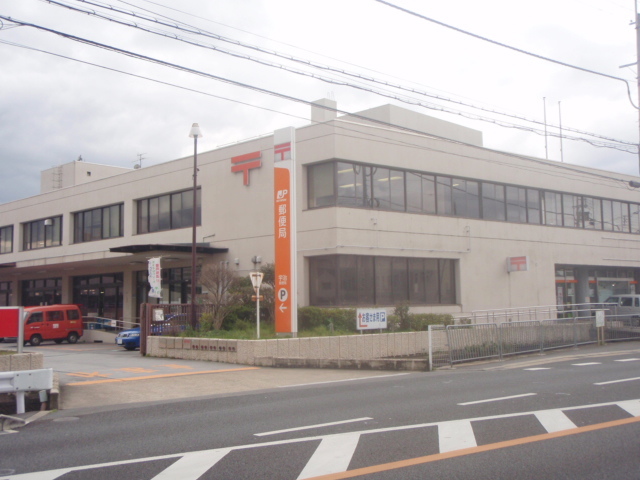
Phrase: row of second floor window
(164, 212)
(367, 186)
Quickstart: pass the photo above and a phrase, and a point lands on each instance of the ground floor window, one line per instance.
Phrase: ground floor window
(45, 291)
(5, 294)
(176, 287)
(99, 295)
(350, 280)
(603, 283)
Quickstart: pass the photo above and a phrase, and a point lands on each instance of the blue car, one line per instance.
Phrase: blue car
(173, 323)
(129, 339)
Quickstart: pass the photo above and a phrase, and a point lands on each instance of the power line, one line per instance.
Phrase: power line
(562, 167)
(631, 146)
(500, 44)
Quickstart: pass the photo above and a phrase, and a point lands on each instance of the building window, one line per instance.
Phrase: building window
(168, 212)
(321, 183)
(99, 295)
(352, 280)
(98, 224)
(466, 198)
(6, 239)
(367, 186)
(421, 193)
(572, 211)
(516, 204)
(553, 209)
(46, 291)
(634, 217)
(620, 216)
(493, 202)
(42, 233)
(592, 213)
(5, 294)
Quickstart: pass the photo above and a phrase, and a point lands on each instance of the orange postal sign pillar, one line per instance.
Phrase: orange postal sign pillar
(284, 141)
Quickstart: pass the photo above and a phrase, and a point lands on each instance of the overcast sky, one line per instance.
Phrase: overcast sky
(54, 109)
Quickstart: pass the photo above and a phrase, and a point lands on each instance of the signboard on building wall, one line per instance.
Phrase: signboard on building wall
(518, 264)
(285, 230)
(371, 318)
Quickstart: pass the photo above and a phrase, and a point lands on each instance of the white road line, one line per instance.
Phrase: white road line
(631, 406)
(332, 456)
(554, 420)
(618, 381)
(308, 427)
(537, 368)
(456, 435)
(498, 399)
(48, 475)
(192, 465)
(585, 364)
(627, 360)
(344, 380)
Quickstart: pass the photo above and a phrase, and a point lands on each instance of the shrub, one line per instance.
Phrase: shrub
(343, 319)
(421, 321)
(402, 312)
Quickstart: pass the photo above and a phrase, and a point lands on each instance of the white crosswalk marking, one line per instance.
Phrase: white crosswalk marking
(334, 453)
(192, 465)
(631, 406)
(554, 420)
(456, 435)
(332, 456)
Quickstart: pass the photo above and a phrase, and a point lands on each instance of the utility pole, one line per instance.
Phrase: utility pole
(546, 149)
(638, 72)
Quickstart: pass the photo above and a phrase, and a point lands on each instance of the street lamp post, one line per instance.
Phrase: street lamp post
(195, 134)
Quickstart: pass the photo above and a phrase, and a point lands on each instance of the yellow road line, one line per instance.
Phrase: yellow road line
(166, 375)
(469, 451)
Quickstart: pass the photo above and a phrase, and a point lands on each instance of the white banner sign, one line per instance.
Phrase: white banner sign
(155, 278)
(371, 318)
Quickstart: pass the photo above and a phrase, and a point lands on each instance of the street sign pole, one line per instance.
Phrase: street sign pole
(256, 281)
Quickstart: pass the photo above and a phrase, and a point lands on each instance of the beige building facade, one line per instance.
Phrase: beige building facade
(392, 207)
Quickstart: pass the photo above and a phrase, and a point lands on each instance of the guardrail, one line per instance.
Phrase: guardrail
(25, 381)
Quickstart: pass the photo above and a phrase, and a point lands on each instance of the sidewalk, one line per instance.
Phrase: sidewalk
(224, 379)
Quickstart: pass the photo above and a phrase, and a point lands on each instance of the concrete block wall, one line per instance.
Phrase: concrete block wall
(258, 352)
(21, 361)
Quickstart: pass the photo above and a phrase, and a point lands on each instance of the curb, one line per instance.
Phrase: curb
(421, 365)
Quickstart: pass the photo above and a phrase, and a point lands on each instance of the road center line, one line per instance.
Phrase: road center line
(385, 467)
(309, 427)
(498, 399)
(627, 360)
(343, 380)
(586, 364)
(618, 381)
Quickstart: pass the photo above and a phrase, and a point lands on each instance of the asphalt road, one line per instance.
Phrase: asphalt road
(552, 419)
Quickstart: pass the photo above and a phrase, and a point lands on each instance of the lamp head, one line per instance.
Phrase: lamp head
(195, 131)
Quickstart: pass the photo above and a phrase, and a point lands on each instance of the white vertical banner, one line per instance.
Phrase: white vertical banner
(284, 154)
(155, 278)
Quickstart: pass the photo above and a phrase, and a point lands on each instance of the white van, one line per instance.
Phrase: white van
(624, 307)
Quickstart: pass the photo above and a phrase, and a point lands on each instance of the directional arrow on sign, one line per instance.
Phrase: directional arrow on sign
(282, 307)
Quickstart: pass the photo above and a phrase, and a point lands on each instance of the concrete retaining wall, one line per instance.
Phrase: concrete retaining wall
(21, 361)
(297, 350)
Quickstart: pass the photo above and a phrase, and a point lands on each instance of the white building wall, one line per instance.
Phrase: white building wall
(241, 217)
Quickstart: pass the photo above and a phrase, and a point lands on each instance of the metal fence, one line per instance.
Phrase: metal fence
(497, 340)
(532, 313)
(167, 319)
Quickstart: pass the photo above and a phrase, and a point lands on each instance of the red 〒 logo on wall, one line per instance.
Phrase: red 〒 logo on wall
(244, 163)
